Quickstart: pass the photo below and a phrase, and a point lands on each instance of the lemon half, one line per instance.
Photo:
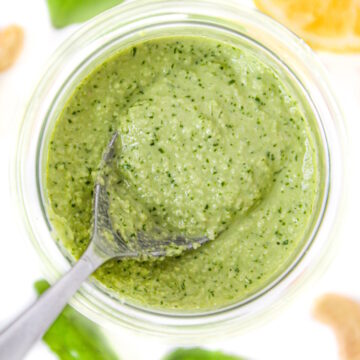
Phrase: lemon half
(324, 24)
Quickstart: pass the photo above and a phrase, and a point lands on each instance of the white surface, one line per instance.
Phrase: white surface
(292, 335)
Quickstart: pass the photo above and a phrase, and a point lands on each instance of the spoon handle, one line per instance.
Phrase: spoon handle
(23, 332)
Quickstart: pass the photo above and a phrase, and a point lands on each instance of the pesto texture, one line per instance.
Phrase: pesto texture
(211, 143)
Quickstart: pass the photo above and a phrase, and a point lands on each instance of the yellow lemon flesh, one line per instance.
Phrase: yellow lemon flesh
(324, 24)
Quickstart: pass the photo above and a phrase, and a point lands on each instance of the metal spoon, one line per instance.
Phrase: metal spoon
(105, 244)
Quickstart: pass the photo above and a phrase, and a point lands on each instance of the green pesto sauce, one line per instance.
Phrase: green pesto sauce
(211, 142)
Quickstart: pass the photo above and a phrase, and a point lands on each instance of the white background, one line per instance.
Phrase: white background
(291, 335)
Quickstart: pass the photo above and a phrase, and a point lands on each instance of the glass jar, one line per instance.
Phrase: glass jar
(124, 26)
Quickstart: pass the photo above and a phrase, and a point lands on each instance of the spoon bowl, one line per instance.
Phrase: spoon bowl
(109, 243)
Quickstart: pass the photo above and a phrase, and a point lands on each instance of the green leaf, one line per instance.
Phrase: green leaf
(66, 12)
(73, 337)
(199, 354)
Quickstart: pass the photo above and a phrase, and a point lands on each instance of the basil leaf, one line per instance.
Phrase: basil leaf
(66, 12)
(73, 337)
(199, 354)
